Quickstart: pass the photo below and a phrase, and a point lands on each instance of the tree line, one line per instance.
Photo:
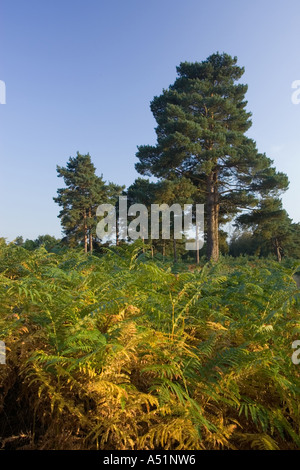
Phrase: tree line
(202, 156)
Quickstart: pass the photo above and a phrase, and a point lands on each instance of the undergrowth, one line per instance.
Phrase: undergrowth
(123, 352)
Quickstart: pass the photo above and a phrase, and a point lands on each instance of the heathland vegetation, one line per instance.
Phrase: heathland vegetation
(145, 345)
(120, 351)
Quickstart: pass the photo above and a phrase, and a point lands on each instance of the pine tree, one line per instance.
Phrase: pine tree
(201, 125)
(177, 191)
(168, 192)
(143, 191)
(292, 248)
(84, 191)
(19, 241)
(272, 228)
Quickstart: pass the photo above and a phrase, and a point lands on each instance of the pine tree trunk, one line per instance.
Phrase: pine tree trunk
(278, 255)
(278, 252)
(91, 241)
(212, 217)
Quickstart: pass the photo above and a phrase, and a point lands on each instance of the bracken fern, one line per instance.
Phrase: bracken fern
(121, 352)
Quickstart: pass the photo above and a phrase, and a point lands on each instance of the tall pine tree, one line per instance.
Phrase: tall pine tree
(201, 125)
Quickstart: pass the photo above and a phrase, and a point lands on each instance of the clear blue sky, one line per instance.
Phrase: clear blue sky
(80, 76)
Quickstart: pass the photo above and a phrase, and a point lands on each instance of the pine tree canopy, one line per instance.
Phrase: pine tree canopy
(201, 125)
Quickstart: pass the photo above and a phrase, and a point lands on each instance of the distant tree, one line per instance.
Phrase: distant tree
(223, 243)
(142, 191)
(177, 191)
(292, 248)
(30, 245)
(271, 226)
(48, 241)
(19, 241)
(114, 191)
(84, 191)
(243, 243)
(201, 124)
(168, 192)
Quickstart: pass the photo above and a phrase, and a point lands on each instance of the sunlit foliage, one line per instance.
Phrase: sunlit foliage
(124, 352)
